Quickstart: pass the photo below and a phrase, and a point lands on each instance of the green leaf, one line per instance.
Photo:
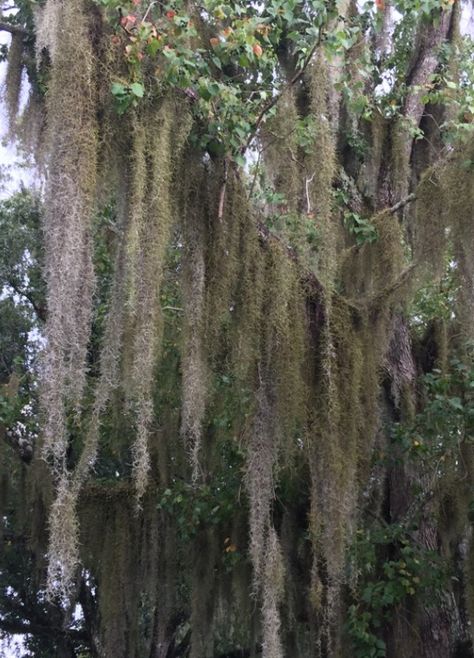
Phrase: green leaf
(239, 159)
(137, 89)
(118, 89)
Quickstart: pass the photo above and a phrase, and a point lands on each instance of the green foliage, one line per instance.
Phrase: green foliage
(360, 227)
(127, 96)
(21, 251)
(300, 230)
(229, 70)
(22, 309)
(446, 422)
(388, 563)
(305, 132)
(389, 567)
(196, 507)
(435, 301)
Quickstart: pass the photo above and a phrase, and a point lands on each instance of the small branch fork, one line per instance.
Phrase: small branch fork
(13, 29)
(271, 103)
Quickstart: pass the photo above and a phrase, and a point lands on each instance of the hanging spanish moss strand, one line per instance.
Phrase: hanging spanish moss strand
(152, 240)
(194, 366)
(110, 356)
(272, 595)
(69, 274)
(261, 460)
(69, 207)
(164, 147)
(47, 21)
(63, 549)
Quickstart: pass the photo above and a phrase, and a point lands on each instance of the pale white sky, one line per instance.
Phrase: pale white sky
(9, 158)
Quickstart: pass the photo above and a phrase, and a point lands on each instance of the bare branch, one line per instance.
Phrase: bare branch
(39, 310)
(402, 203)
(13, 29)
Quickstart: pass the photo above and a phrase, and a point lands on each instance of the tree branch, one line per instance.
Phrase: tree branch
(402, 203)
(13, 29)
(266, 108)
(39, 310)
(13, 627)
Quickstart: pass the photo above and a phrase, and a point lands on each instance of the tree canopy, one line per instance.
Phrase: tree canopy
(237, 323)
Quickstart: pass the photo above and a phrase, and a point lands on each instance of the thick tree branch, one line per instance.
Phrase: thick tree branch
(423, 67)
(13, 29)
(425, 64)
(13, 627)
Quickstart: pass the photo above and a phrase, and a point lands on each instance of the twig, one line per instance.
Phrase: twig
(148, 10)
(402, 203)
(254, 178)
(308, 200)
(220, 211)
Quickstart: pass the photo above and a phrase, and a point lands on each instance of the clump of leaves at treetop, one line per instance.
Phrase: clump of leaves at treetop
(229, 71)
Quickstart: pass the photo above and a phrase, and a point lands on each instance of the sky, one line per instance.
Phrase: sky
(10, 161)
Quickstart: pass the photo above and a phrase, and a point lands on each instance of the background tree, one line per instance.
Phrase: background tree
(249, 427)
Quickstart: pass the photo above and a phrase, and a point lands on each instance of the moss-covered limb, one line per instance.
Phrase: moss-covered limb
(379, 269)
